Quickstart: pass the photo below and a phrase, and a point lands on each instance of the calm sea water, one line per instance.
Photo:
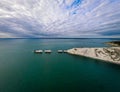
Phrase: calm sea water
(23, 71)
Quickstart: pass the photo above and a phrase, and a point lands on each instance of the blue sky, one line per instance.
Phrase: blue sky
(59, 18)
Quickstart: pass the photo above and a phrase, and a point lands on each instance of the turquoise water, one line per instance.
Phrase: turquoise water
(23, 71)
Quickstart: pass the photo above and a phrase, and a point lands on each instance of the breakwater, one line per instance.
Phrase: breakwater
(108, 54)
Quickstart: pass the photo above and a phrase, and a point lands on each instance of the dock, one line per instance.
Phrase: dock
(47, 51)
(38, 51)
(65, 51)
(60, 51)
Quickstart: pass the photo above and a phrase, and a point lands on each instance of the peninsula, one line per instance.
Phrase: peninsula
(108, 54)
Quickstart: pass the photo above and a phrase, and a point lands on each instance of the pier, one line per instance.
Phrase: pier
(49, 51)
(60, 51)
(65, 51)
(38, 51)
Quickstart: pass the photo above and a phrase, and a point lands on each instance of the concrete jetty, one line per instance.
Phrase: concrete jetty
(47, 51)
(38, 51)
(108, 54)
(65, 51)
(60, 51)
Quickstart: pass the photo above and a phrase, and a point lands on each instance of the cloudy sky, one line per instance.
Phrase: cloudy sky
(59, 18)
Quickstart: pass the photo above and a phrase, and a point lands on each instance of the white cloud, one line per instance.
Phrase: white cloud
(66, 18)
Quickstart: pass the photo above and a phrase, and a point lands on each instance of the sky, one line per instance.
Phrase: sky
(59, 18)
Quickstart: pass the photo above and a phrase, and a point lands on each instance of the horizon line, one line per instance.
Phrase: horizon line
(64, 38)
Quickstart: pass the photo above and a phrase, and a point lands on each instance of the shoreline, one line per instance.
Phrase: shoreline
(114, 43)
(106, 54)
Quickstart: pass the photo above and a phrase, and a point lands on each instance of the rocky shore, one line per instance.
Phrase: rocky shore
(108, 54)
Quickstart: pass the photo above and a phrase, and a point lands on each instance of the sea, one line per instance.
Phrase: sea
(21, 70)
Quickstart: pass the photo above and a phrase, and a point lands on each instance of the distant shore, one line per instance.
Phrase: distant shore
(113, 43)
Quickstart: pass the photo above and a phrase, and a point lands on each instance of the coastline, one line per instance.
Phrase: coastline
(114, 43)
(107, 54)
